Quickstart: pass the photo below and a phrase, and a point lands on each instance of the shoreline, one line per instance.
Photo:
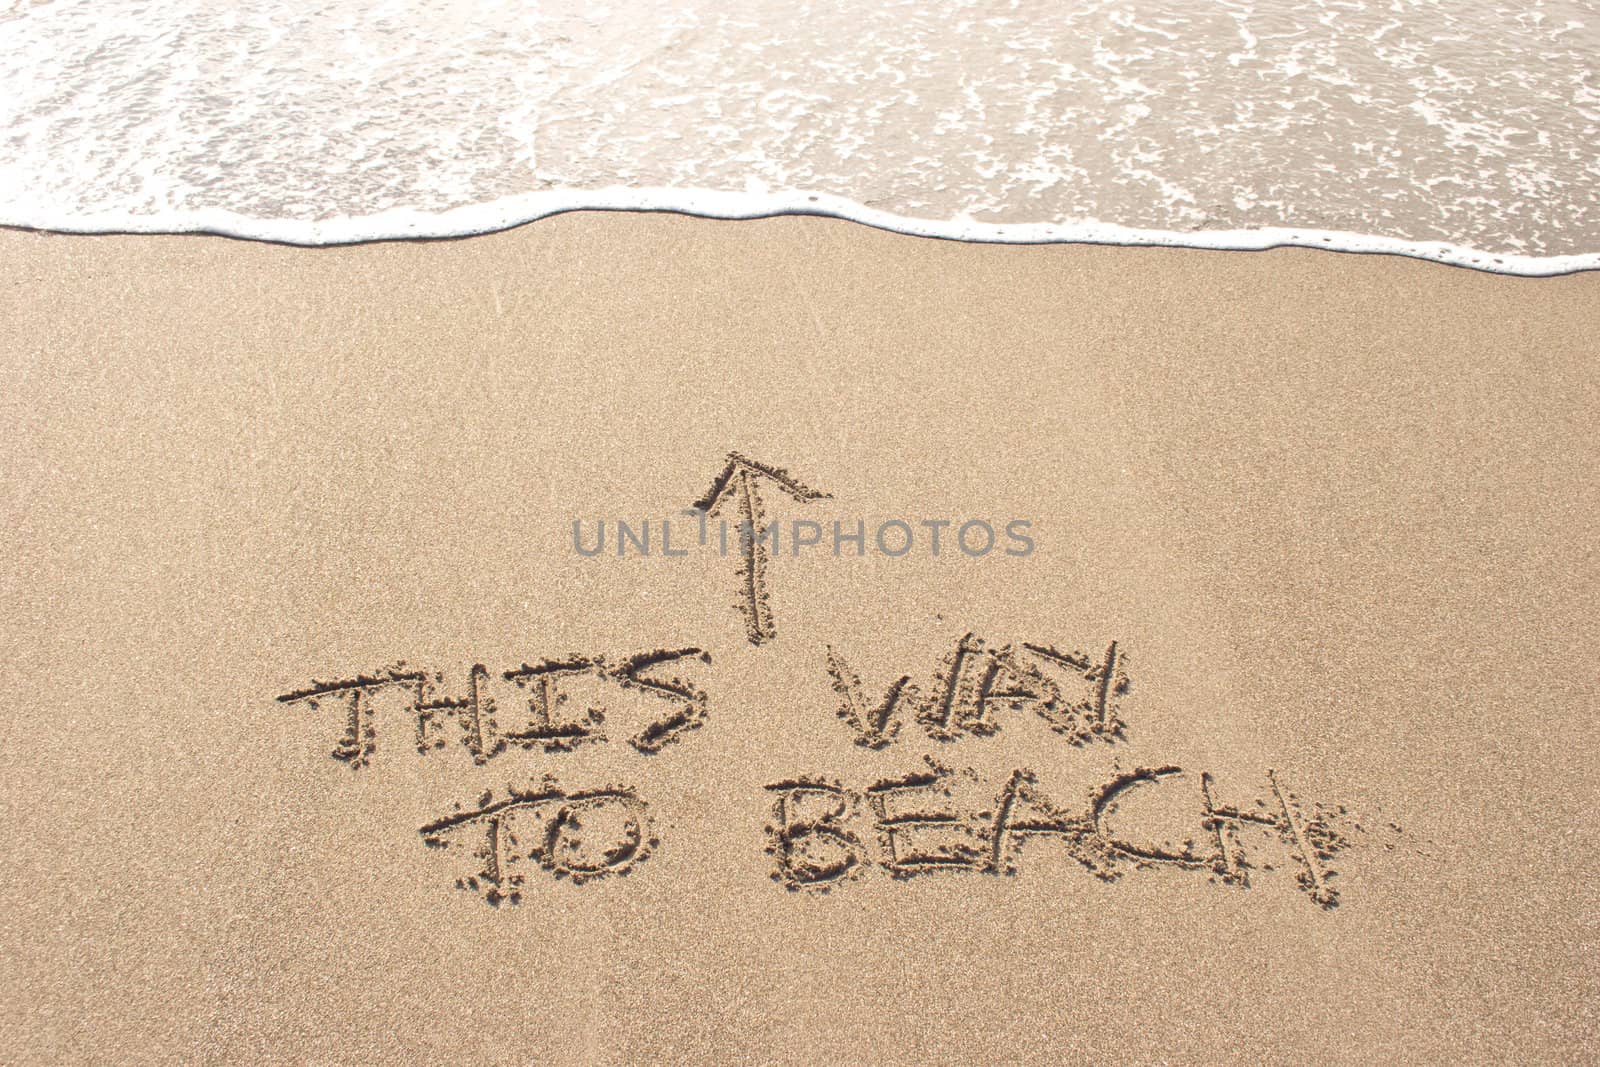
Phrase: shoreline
(513, 212)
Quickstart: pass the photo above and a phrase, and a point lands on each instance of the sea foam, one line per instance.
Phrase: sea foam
(1466, 133)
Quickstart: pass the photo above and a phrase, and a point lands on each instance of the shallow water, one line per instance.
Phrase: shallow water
(1471, 125)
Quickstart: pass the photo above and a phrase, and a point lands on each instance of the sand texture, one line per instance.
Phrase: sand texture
(1276, 743)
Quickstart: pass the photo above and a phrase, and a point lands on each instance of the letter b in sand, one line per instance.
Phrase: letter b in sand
(807, 835)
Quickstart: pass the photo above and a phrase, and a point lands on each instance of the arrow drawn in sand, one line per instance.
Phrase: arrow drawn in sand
(738, 482)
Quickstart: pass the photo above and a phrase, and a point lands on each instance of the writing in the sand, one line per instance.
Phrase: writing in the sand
(934, 819)
(650, 699)
(822, 834)
(576, 834)
(664, 706)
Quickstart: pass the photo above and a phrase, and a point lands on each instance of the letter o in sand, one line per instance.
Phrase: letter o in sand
(597, 833)
(988, 533)
(905, 527)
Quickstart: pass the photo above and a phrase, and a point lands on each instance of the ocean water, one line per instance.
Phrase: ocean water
(1464, 131)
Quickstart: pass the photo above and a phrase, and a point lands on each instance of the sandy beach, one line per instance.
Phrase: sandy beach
(1276, 744)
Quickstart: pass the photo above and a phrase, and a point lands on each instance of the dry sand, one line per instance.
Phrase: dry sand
(1337, 514)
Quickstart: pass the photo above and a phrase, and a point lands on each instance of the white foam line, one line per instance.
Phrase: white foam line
(410, 224)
